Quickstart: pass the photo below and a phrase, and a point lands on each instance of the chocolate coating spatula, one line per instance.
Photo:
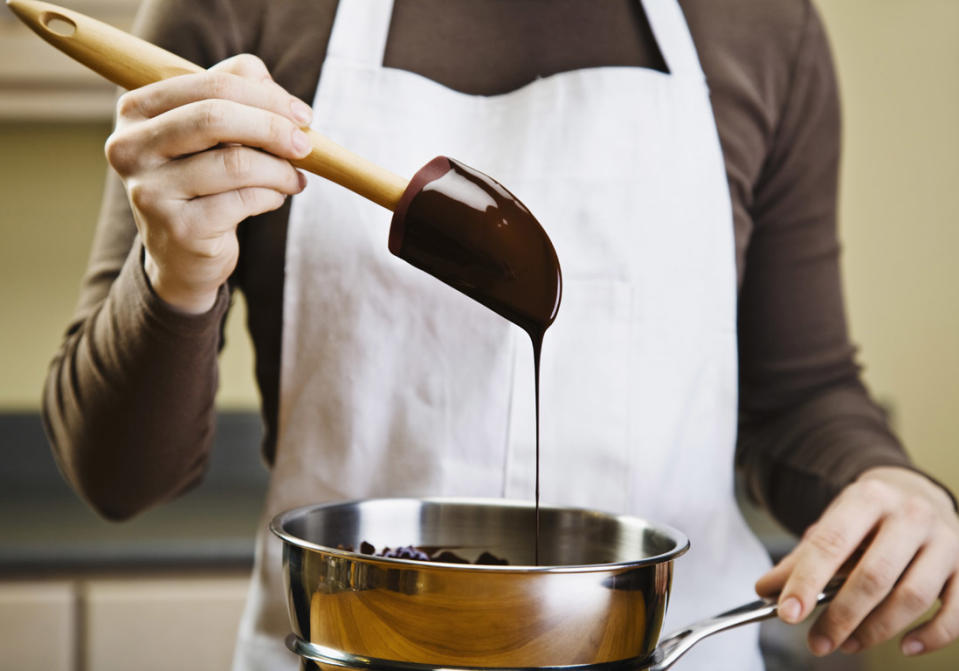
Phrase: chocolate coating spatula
(453, 222)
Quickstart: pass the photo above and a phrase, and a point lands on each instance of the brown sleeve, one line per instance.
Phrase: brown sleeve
(129, 397)
(807, 425)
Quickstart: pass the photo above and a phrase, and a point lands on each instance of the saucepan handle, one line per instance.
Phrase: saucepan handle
(677, 644)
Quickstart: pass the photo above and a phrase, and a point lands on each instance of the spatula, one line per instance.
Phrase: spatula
(452, 221)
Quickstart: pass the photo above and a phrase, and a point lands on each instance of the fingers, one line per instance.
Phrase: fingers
(239, 204)
(896, 543)
(155, 99)
(245, 65)
(912, 596)
(196, 239)
(234, 102)
(249, 67)
(214, 191)
(199, 126)
(772, 582)
(227, 169)
(941, 630)
(828, 544)
(897, 537)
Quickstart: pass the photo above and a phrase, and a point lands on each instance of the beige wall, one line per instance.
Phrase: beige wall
(51, 177)
(898, 62)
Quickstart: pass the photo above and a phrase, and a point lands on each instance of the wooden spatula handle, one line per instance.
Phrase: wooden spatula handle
(130, 62)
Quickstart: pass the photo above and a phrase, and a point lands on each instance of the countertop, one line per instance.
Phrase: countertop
(46, 528)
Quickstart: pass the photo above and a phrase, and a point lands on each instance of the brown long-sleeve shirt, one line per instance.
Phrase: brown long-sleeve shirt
(129, 399)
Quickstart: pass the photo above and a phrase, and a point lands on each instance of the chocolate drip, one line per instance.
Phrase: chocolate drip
(537, 339)
(466, 229)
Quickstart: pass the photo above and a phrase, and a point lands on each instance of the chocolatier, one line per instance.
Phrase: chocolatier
(682, 157)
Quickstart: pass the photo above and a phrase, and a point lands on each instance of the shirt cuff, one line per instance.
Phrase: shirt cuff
(160, 314)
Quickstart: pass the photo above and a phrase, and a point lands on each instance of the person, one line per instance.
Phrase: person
(683, 158)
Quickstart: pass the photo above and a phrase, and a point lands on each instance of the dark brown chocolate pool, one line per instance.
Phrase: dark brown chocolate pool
(466, 229)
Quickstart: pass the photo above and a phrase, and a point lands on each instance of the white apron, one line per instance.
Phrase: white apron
(623, 168)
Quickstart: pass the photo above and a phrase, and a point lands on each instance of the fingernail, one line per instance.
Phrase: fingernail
(850, 646)
(912, 647)
(820, 645)
(301, 111)
(790, 609)
(301, 143)
(302, 179)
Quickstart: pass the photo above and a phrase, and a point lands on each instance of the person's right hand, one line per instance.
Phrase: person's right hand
(198, 154)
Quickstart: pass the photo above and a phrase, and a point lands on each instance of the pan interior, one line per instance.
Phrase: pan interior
(568, 536)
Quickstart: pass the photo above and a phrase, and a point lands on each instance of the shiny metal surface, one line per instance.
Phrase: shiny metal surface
(667, 653)
(678, 643)
(599, 596)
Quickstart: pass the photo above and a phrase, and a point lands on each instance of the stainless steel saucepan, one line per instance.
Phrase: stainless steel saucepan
(596, 600)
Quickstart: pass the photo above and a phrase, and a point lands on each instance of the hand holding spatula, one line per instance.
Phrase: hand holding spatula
(511, 269)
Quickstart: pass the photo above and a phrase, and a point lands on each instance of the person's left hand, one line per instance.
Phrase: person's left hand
(902, 533)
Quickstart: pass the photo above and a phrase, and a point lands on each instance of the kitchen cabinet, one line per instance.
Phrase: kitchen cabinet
(161, 623)
(38, 625)
(150, 622)
(162, 591)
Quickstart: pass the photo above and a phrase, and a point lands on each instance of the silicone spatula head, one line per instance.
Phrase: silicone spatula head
(466, 229)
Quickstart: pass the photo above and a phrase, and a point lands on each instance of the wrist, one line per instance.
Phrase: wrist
(912, 481)
(187, 300)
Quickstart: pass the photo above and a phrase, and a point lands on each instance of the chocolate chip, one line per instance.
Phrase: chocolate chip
(449, 558)
(490, 559)
(418, 554)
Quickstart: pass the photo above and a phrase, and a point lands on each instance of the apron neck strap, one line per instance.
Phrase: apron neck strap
(669, 27)
(359, 31)
(361, 26)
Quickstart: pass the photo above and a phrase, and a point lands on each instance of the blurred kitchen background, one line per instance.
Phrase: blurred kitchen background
(165, 590)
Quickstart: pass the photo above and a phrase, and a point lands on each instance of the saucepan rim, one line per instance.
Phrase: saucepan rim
(680, 540)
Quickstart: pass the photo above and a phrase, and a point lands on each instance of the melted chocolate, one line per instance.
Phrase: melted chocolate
(466, 229)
